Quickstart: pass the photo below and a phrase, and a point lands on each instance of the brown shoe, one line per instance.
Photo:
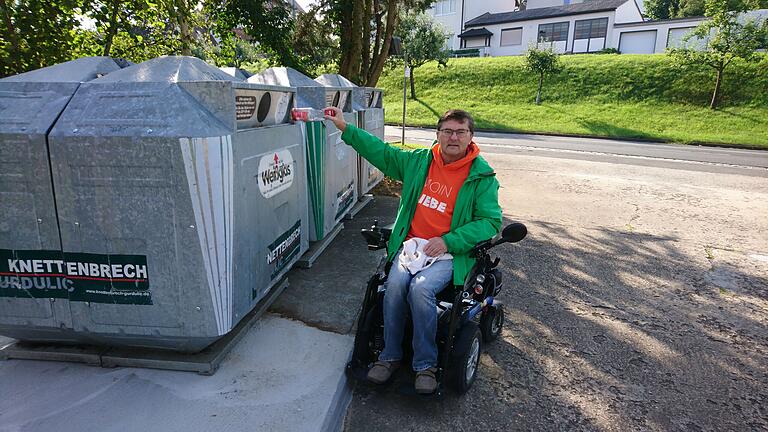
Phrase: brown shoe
(426, 382)
(382, 371)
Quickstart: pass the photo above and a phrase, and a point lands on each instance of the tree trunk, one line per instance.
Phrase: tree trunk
(413, 86)
(346, 38)
(376, 37)
(716, 93)
(356, 48)
(351, 40)
(381, 58)
(182, 17)
(538, 93)
(366, 66)
(112, 29)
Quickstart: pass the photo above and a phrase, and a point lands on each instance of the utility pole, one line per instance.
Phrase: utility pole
(396, 48)
(406, 75)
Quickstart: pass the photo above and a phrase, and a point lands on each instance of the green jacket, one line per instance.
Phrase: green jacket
(476, 216)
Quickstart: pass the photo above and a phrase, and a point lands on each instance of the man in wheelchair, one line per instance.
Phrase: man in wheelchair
(449, 203)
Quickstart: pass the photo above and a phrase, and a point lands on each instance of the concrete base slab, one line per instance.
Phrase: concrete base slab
(316, 248)
(364, 201)
(28, 351)
(282, 376)
(205, 362)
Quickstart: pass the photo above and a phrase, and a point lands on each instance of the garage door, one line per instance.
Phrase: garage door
(676, 35)
(640, 42)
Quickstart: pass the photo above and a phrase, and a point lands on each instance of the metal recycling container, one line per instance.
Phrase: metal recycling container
(237, 72)
(30, 103)
(332, 165)
(181, 203)
(367, 105)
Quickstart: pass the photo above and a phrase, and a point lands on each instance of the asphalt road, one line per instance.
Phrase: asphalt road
(639, 300)
(700, 158)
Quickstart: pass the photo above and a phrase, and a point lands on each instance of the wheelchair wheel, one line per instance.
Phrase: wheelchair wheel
(491, 323)
(462, 367)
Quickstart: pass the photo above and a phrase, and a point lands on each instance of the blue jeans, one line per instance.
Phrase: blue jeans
(417, 291)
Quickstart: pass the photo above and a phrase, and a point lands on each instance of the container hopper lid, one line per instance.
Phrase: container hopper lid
(283, 76)
(169, 69)
(334, 80)
(74, 71)
(236, 72)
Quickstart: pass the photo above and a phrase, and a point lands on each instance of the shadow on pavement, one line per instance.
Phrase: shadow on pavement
(328, 295)
(606, 330)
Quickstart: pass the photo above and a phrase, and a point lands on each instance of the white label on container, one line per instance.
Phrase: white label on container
(340, 147)
(276, 171)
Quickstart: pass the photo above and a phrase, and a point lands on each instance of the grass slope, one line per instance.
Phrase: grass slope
(627, 96)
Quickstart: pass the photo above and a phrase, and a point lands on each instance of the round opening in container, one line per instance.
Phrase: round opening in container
(282, 110)
(264, 106)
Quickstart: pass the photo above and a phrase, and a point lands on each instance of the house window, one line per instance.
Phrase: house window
(445, 7)
(513, 36)
(588, 29)
(553, 32)
(477, 42)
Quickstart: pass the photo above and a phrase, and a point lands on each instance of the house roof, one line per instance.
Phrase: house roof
(663, 21)
(547, 12)
(476, 33)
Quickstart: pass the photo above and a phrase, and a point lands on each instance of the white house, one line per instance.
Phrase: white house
(499, 28)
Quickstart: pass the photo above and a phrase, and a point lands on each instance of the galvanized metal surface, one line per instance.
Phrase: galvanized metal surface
(332, 165)
(30, 103)
(366, 103)
(372, 120)
(238, 73)
(309, 93)
(75, 71)
(159, 161)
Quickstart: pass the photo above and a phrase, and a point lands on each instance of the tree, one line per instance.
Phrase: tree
(268, 22)
(182, 15)
(423, 40)
(235, 51)
(128, 23)
(36, 33)
(664, 9)
(365, 29)
(661, 9)
(313, 41)
(542, 62)
(719, 41)
(139, 29)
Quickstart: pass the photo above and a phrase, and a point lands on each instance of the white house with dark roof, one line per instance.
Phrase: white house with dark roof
(499, 28)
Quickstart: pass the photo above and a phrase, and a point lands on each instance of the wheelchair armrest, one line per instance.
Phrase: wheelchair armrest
(377, 237)
(386, 232)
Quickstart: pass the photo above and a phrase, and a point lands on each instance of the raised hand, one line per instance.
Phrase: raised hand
(337, 118)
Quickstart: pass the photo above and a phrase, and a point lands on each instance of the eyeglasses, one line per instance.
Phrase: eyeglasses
(459, 132)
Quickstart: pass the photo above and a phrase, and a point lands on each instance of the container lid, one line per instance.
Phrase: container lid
(169, 69)
(283, 76)
(236, 72)
(334, 80)
(74, 71)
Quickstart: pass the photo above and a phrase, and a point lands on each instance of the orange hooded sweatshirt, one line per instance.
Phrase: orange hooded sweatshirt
(438, 197)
